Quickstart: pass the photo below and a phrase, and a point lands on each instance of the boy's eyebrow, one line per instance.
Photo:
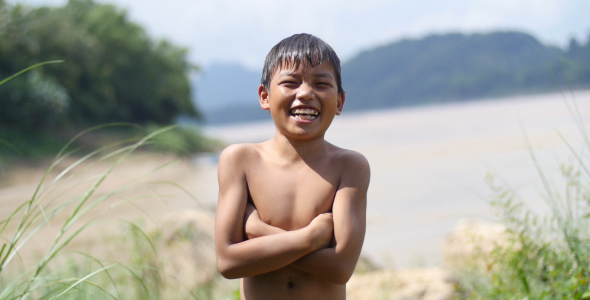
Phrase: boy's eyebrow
(293, 73)
(325, 74)
(287, 73)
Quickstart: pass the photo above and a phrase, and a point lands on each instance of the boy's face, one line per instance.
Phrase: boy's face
(302, 101)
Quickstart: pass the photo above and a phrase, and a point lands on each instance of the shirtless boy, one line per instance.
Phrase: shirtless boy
(291, 214)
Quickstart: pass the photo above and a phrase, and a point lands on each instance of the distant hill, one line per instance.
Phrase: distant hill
(458, 67)
(433, 69)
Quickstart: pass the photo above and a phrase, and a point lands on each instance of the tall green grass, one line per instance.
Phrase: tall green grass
(52, 275)
(547, 256)
(64, 206)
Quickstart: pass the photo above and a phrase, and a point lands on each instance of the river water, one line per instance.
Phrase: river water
(429, 163)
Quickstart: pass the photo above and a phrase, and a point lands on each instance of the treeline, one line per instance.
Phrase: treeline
(112, 70)
(456, 67)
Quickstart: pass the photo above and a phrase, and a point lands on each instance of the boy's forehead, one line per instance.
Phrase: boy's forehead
(289, 66)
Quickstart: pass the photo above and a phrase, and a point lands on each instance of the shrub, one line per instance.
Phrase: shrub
(548, 257)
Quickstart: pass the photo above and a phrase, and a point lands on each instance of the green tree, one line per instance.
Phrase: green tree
(113, 70)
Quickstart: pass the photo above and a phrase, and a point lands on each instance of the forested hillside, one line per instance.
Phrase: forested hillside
(456, 67)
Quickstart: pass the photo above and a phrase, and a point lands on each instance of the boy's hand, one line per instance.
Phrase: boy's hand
(252, 223)
(322, 230)
(254, 227)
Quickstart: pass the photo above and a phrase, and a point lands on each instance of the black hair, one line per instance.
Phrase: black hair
(297, 49)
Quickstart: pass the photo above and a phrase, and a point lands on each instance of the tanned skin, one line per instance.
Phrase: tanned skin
(292, 210)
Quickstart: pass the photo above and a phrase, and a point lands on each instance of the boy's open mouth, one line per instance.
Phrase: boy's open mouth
(305, 113)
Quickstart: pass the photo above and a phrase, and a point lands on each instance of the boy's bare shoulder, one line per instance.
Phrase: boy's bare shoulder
(354, 163)
(347, 155)
(236, 156)
(239, 151)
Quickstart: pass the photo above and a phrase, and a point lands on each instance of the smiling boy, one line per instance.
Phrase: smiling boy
(290, 219)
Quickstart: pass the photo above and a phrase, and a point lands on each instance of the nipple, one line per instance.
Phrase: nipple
(290, 285)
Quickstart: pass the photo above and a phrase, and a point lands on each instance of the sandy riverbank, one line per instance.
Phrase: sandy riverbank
(148, 187)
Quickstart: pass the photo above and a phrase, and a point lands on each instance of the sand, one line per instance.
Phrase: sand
(147, 196)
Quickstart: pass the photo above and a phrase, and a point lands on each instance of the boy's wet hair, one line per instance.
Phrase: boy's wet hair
(296, 49)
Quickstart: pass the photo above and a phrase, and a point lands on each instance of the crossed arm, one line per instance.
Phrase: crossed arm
(334, 263)
(309, 249)
(238, 257)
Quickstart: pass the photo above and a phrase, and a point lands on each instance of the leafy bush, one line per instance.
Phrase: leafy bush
(547, 257)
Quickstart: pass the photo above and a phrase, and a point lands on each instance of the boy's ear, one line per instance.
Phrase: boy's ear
(263, 97)
(340, 103)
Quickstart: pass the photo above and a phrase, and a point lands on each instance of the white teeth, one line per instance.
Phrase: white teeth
(304, 111)
(305, 117)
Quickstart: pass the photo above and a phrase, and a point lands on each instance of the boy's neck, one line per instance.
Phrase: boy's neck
(294, 150)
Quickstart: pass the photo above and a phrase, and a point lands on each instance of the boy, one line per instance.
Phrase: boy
(291, 213)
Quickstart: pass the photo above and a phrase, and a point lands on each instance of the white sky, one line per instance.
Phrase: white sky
(244, 31)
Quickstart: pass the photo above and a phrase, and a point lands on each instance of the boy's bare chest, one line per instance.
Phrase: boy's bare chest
(290, 197)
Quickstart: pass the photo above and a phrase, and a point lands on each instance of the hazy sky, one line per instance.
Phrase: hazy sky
(244, 31)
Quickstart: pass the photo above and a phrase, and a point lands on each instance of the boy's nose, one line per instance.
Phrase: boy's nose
(305, 92)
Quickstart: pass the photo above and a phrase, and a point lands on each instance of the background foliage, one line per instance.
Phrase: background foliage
(113, 71)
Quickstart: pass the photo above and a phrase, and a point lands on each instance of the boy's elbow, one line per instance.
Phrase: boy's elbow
(341, 277)
(225, 269)
(343, 272)
(227, 274)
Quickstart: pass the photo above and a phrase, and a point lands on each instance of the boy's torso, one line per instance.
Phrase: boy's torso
(289, 196)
